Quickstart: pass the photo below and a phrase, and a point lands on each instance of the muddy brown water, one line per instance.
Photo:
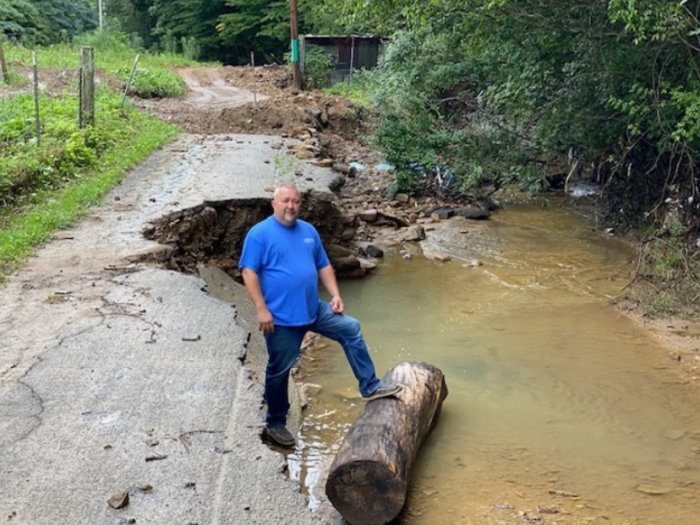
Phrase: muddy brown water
(560, 411)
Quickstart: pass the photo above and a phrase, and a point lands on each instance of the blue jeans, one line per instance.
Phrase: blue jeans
(283, 349)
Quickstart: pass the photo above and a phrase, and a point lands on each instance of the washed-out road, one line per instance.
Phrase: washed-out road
(117, 375)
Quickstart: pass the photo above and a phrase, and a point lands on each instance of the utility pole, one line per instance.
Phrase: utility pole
(296, 70)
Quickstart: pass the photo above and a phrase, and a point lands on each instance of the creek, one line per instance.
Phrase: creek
(560, 409)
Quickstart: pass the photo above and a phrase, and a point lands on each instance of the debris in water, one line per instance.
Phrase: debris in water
(563, 494)
(653, 490)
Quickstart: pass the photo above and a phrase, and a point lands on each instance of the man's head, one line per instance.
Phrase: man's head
(286, 204)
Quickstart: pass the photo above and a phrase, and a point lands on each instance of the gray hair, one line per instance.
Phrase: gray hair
(288, 185)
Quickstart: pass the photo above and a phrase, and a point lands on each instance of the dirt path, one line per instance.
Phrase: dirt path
(207, 91)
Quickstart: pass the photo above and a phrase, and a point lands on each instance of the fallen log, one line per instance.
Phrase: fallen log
(368, 479)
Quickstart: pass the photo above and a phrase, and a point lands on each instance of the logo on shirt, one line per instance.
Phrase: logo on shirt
(309, 240)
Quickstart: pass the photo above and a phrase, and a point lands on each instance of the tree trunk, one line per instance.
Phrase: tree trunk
(368, 479)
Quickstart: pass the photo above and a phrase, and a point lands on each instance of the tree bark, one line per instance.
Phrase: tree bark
(368, 480)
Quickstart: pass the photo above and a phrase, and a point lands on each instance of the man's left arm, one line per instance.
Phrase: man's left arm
(330, 283)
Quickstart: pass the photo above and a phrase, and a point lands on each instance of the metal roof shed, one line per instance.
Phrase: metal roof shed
(349, 52)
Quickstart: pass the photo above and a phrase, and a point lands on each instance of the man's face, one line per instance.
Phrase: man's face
(286, 206)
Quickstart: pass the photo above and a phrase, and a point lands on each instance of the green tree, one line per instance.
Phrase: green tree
(46, 21)
(258, 26)
(518, 89)
(19, 19)
(134, 18)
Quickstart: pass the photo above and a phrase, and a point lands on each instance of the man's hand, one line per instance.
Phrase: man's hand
(265, 323)
(252, 284)
(337, 304)
(331, 285)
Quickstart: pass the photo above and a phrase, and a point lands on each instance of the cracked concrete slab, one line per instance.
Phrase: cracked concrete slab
(115, 376)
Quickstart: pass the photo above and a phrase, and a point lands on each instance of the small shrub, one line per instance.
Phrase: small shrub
(190, 48)
(317, 68)
(105, 41)
(154, 82)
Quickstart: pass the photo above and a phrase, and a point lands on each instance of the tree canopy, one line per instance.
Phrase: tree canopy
(46, 21)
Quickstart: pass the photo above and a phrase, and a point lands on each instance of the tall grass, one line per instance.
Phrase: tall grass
(130, 139)
(49, 185)
(112, 52)
(114, 55)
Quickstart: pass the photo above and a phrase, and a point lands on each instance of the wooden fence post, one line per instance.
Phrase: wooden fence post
(128, 82)
(36, 98)
(86, 114)
(3, 66)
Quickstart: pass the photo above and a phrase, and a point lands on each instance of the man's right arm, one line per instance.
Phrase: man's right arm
(252, 285)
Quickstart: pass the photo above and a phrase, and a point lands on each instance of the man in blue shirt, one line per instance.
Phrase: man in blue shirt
(281, 263)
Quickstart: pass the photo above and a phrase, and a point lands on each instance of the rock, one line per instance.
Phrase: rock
(119, 500)
(336, 183)
(348, 234)
(442, 258)
(304, 154)
(474, 263)
(346, 169)
(372, 250)
(472, 212)
(336, 251)
(316, 113)
(398, 221)
(401, 197)
(367, 265)
(368, 215)
(414, 233)
(440, 213)
(346, 264)
(325, 163)
(348, 219)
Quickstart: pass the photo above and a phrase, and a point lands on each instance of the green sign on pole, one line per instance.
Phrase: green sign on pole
(295, 50)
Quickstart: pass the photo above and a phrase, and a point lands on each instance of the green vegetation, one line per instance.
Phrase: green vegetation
(317, 67)
(43, 22)
(113, 54)
(48, 187)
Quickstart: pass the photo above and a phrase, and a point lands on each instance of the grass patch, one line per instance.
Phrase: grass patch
(672, 268)
(113, 54)
(14, 80)
(357, 90)
(118, 142)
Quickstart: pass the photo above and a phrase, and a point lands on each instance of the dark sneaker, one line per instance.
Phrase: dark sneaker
(383, 391)
(281, 436)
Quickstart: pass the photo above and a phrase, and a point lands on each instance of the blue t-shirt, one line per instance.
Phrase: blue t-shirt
(287, 260)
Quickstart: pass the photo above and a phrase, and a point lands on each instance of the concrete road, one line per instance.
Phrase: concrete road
(116, 376)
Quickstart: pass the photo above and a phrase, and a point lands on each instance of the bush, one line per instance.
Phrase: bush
(154, 82)
(65, 151)
(317, 68)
